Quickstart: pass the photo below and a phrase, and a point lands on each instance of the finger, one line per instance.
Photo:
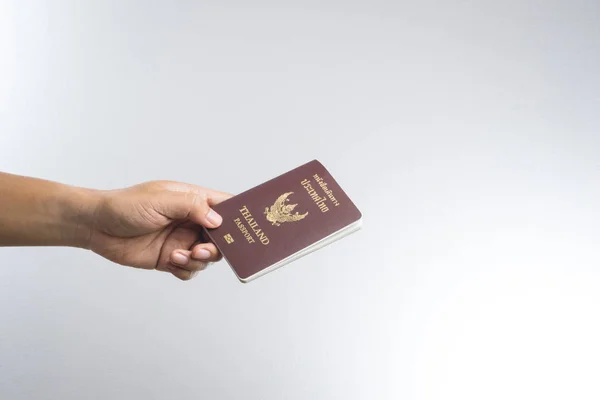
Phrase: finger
(216, 197)
(181, 273)
(183, 259)
(180, 237)
(213, 196)
(206, 252)
(188, 206)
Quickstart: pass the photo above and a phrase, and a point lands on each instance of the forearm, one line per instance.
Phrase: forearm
(36, 212)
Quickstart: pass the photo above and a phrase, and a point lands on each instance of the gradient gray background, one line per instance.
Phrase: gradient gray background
(466, 131)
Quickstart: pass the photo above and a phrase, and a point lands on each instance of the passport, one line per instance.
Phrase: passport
(283, 219)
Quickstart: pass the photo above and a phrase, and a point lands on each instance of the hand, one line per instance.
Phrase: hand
(157, 225)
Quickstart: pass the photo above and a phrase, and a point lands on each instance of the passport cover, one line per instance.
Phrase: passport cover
(283, 219)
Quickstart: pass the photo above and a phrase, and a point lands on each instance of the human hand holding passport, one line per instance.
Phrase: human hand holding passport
(283, 219)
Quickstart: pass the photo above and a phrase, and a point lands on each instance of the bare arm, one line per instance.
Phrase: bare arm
(36, 212)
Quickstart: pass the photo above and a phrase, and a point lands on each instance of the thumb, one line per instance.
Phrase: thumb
(193, 206)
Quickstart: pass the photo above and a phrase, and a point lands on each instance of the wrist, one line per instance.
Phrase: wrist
(78, 216)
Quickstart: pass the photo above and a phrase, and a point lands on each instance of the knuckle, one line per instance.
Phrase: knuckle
(199, 205)
(185, 276)
(198, 266)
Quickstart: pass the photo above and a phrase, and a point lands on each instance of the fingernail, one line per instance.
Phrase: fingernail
(202, 254)
(180, 259)
(214, 218)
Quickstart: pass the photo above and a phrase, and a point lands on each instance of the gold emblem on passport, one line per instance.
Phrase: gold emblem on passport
(228, 238)
(280, 212)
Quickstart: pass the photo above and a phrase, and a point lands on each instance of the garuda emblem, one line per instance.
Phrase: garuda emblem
(280, 212)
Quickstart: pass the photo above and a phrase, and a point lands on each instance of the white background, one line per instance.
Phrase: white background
(467, 132)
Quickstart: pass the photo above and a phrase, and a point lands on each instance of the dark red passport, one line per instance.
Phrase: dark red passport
(282, 220)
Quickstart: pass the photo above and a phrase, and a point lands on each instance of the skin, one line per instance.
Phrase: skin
(155, 225)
